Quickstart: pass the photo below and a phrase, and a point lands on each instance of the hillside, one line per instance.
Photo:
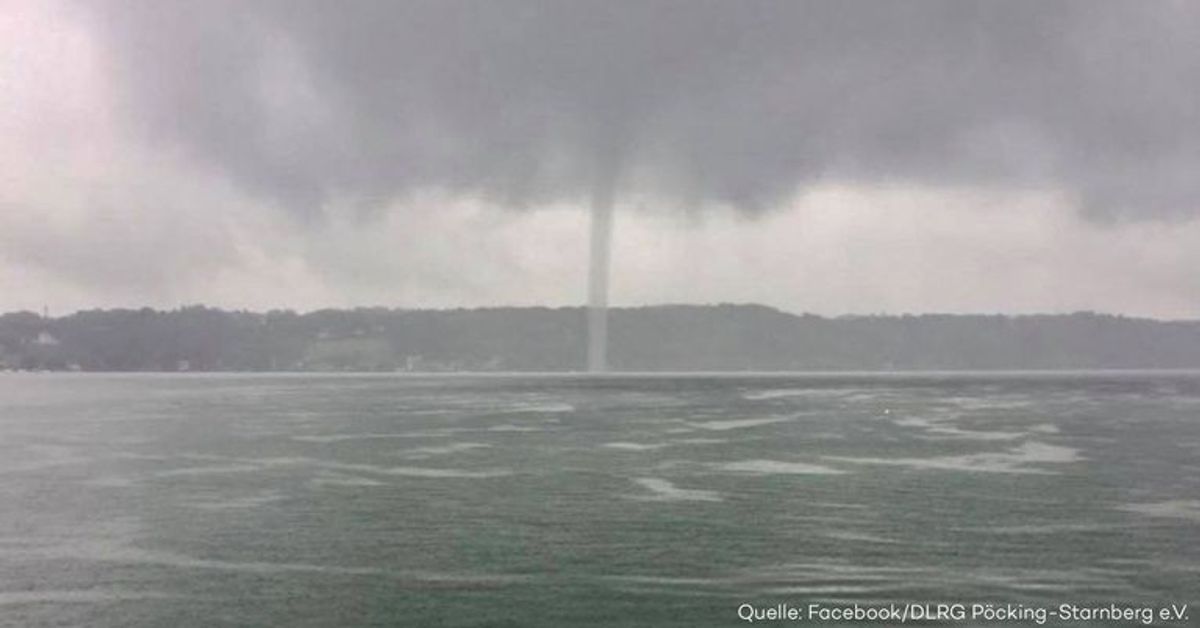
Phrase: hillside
(720, 337)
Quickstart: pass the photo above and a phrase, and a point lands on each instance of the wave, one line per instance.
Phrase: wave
(337, 438)
(777, 467)
(122, 553)
(407, 471)
(1188, 509)
(340, 479)
(634, 446)
(426, 452)
(784, 393)
(47, 457)
(77, 596)
(699, 441)
(939, 429)
(738, 424)
(244, 465)
(535, 408)
(858, 537)
(509, 427)
(1049, 528)
(239, 503)
(209, 470)
(1016, 460)
(663, 490)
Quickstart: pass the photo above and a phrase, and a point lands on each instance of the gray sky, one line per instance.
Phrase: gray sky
(830, 157)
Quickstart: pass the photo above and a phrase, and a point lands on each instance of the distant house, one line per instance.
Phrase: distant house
(46, 339)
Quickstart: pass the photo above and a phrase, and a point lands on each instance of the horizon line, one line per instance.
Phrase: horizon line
(583, 307)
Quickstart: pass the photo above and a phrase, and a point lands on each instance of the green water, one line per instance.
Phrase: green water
(241, 500)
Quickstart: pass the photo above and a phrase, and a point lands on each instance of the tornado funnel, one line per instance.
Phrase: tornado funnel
(601, 254)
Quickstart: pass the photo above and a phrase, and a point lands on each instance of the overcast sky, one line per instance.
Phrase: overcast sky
(831, 157)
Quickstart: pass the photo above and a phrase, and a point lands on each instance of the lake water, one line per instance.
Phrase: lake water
(240, 500)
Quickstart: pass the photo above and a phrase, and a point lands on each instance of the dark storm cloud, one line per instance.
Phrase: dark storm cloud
(698, 101)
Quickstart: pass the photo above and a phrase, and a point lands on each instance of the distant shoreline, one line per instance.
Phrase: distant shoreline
(584, 375)
(656, 339)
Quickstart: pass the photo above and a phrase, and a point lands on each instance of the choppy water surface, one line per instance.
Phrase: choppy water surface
(568, 501)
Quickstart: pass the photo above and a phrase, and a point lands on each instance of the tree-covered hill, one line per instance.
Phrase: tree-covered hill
(676, 337)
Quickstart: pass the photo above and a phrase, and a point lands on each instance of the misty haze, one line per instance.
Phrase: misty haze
(599, 313)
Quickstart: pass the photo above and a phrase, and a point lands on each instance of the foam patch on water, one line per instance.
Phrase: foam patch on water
(537, 408)
(119, 550)
(777, 467)
(954, 432)
(739, 424)
(76, 596)
(858, 537)
(416, 472)
(426, 452)
(626, 446)
(941, 430)
(663, 490)
(1188, 509)
(170, 559)
(44, 457)
(783, 393)
(224, 465)
(209, 470)
(814, 580)
(824, 592)
(246, 465)
(988, 400)
(910, 421)
(342, 479)
(1049, 528)
(817, 575)
(337, 438)
(700, 441)
(667, 581)
(1016, 460)
(239, 503)
(840, 505)
(423, 472)
(509, 427)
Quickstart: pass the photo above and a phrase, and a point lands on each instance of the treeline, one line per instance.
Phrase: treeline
(720, 337)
